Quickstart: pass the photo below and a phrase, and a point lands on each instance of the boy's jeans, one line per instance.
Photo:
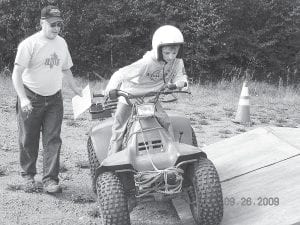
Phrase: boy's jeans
(119, 126)
(46, 117)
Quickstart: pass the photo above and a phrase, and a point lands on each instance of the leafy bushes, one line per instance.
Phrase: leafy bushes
(223, 38)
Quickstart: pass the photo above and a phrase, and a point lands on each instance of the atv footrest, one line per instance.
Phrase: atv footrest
(183, 210)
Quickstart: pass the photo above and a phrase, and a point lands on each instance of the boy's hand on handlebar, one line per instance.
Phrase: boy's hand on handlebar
(113, 94)
(182, 85)
(105, 92)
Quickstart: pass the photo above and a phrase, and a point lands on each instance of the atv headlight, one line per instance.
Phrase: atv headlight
(145, 109)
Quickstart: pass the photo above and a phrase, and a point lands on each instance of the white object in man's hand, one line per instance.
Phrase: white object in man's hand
(81, 103)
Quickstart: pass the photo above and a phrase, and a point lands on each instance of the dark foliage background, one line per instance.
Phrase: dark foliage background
(224, 38)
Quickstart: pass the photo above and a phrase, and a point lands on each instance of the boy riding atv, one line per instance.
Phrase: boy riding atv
(144, 153)
(157, 68)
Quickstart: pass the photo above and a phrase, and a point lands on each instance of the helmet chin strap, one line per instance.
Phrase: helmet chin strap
(164, 76)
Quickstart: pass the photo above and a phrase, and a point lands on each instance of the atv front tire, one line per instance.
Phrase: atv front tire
(194, 139)
(112, 200)
(94, 163)
(206, 195)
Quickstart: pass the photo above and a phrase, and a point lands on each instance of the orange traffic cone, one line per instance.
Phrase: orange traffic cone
(243, 111)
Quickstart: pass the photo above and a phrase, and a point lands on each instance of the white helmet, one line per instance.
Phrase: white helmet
(166, 35)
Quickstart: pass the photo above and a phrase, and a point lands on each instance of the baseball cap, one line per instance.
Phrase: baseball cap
(51, 14)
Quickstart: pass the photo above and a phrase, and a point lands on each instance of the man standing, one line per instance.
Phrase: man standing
(40, 64)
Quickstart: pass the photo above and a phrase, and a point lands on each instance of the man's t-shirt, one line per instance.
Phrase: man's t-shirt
(44, 60)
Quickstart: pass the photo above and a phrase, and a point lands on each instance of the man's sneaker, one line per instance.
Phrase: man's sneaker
(51, 187)
(29, 183)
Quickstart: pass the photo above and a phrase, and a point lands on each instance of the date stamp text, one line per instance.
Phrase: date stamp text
(251, 201)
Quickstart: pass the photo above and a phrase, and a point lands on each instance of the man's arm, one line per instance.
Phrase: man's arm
(19, 87)
(71, 82)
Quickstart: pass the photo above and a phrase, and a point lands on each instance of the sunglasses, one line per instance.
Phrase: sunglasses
(56, 24)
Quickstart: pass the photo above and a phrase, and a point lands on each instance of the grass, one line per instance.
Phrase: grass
(211, 106)
(213, 93)
(17, 187)
(221, 91)
(226, 95)
(83, 164)
(73, 123)
(80, 199)
(210, 109)
(63, 168)
(7, 89)
(3, 171)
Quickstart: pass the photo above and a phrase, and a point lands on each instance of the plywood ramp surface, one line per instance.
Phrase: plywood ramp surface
(260, 174)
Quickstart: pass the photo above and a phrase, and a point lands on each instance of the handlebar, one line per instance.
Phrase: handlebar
(115, 93)
(98, 95)
(174, 86)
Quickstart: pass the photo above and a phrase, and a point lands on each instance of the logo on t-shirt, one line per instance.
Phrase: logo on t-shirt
(155, 76)
(52, 61)
(159, 74)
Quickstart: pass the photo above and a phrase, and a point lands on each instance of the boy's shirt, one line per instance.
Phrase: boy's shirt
(147, 74)
(44, 60)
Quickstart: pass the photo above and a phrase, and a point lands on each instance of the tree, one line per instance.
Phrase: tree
(242, 34)
(222, 36)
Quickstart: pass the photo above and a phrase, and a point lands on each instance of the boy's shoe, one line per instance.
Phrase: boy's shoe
(52, 187)
(29, 184)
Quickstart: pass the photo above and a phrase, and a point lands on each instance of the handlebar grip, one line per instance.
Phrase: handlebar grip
(172, 86)
(181, 84)
(97, 95)
(113, 94)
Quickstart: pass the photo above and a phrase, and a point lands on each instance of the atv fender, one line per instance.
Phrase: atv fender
(127, 160)
(119, 161)
(100, 136)
(182, 128)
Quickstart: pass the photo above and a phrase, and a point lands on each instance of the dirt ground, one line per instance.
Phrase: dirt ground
(211, 118)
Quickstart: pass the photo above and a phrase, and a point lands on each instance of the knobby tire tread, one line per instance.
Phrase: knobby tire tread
(112, 200)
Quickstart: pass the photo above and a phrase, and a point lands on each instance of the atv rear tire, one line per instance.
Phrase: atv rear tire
(112, 200)
(94, 163)
(206, 196)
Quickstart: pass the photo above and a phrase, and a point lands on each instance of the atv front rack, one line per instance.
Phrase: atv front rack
(102, 110)
(167, 182)
(97, 111)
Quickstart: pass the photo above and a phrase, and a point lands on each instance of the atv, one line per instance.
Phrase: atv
(153, 164)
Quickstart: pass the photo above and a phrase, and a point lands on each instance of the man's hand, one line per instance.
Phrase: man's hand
(68, 75)
(78, 91)
(26, 105)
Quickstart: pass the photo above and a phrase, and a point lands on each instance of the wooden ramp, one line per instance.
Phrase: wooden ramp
(260, 175)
